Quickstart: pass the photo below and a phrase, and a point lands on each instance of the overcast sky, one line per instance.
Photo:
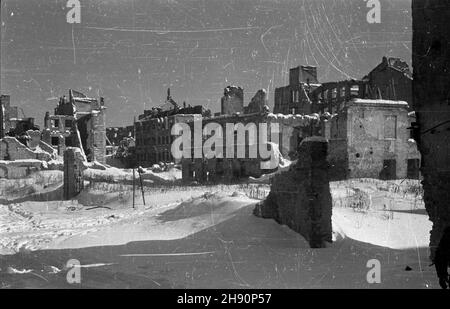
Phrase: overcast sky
(130, 51)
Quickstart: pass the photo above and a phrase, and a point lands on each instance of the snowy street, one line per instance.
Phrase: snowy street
(193, 239)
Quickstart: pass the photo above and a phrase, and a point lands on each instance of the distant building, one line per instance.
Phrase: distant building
(295, 97)
(153, 130)
(370, 139)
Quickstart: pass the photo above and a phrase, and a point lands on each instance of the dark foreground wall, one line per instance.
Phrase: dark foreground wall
(431, 100)
(300, 197)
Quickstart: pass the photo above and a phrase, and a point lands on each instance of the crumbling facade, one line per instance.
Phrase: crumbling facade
(74, 164)
(295, 97)
(371, 139)
(18, 160)
(7, 114)
(114, 135)
(431, 102)
(78, 124)
(232, 101)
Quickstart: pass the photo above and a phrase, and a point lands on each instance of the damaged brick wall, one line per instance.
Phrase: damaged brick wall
(300, 198)
(431, 100)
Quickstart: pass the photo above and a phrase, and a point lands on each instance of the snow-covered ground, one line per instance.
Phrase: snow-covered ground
(207, 237)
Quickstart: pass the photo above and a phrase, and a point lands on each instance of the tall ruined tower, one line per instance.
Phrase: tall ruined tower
(431, 100)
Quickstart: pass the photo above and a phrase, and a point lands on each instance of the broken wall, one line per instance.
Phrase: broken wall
(431, 101)
(300, 197)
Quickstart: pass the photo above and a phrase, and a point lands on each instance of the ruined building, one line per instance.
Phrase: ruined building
(329, 97)
(368, 136)
(300, 197)
(114, 135)
(77, 122)
(391, 80)
(232, 101)
(153, 130)
(295, 97)
(22, 151)
(431, 102)
(10, 122)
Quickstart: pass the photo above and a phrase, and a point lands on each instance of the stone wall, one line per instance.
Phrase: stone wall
(300, 197)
